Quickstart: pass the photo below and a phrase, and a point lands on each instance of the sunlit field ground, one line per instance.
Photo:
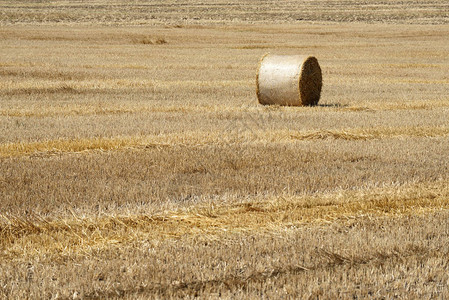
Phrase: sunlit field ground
(136, 162)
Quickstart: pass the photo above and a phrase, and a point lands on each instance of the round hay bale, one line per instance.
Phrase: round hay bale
(293, 80)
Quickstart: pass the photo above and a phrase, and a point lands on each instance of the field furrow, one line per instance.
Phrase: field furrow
(22, 238)
(216, 110)
(197, 139)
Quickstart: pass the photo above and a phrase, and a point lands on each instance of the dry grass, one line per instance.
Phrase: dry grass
(222, 12)
(136, 163)
(86, 109)
(24, 236)
(201, 139)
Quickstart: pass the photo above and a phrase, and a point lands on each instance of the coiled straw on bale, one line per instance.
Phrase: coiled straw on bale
(293, 80)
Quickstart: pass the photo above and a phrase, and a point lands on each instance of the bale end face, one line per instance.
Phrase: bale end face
(291, 80)
(310, 82)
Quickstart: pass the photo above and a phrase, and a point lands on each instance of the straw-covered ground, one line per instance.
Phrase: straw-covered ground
(135, 161)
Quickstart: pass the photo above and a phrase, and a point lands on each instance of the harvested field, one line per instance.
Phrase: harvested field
(136, 161)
